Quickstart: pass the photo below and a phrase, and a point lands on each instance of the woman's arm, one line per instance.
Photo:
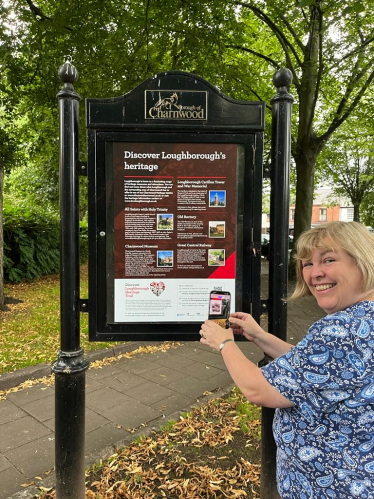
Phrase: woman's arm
(244, 324)
(245, 374)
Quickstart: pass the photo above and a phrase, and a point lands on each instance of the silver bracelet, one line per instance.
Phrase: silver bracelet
(224, 343)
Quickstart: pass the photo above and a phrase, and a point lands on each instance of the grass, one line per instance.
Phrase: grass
(30, 329)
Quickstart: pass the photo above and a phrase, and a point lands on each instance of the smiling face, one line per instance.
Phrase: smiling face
(333, 277)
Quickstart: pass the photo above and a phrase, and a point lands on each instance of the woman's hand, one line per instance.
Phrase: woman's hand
(245, 325)
(213, 335)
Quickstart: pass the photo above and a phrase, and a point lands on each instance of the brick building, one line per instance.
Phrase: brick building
(326, 208)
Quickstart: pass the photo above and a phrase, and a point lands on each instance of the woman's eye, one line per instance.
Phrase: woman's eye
(329, 260)
(306, 264)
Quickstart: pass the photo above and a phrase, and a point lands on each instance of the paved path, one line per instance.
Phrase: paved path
(143, 391)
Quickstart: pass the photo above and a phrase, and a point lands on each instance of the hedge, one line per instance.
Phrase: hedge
(31, 243)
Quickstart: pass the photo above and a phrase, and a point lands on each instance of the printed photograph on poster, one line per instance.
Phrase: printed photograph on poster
(217, 229)
(217, 199)
(216, 257)
(165, 258)
(165, 221)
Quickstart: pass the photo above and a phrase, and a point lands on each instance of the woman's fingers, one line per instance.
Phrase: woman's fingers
(237, 322)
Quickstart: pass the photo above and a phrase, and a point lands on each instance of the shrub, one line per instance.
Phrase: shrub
(31, 242)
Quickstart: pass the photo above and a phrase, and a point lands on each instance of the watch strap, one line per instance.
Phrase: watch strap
(224, 343)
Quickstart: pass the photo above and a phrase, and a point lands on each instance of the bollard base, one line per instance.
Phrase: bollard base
(70, 374)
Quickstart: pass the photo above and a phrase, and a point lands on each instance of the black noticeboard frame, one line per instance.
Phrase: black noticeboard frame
(148, 115)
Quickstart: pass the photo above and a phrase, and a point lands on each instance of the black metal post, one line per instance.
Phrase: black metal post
(70, 367)
(278, 253)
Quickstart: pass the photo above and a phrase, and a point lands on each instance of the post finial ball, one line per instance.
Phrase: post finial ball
(282, 78)
(68, 73)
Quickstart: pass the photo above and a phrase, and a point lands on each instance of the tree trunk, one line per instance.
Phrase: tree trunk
(305, 156)
(356, 212)
(304, 198)
(308, 146)
(2, 297)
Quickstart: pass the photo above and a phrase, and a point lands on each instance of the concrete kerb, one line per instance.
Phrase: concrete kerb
(152, 426)
(15, 378)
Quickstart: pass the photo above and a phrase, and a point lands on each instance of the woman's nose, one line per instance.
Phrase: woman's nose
(317, 270)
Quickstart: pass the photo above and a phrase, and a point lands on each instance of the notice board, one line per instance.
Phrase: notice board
(174, 208)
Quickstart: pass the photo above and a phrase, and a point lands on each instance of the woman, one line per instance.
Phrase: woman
(323, 388)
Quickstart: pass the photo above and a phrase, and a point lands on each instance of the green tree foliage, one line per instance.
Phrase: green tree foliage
(237, 45)
(329, 48)
(367, 211)
(348, 162)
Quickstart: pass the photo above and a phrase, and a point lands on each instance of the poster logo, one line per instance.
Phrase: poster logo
(176, 105)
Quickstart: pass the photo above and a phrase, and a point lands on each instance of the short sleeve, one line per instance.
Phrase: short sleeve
(332, 363)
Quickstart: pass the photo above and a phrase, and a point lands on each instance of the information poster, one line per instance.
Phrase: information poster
(174, 229)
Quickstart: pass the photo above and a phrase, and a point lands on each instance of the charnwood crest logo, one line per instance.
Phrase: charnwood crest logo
(175, 105)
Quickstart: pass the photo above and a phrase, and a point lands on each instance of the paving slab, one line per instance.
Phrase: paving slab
(103, 372)
(104, 437)
(4, 463)
(163, 375)
(105, 398)
(30, 394)
(172, 360)
(201, 371)
(20, 432)
(10, 412)
(130, 414)
(33, 458)
(139, 365)
(125, 380)
(11, 481)
(93, 384)
(209, 358)
(172, 404)
(149, 392)
(41, 410)
(190, 386)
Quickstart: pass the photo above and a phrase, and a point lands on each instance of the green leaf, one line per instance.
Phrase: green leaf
(304, 3)
(358, 7)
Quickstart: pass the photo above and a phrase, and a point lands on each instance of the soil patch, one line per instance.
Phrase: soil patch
(212, 452)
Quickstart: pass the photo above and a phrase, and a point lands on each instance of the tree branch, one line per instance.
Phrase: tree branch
(358, 48)
(252, 91)
(257, 54)
(39, 14)
(279, 34)
(293, 33)
(339, 120)
(320, 68)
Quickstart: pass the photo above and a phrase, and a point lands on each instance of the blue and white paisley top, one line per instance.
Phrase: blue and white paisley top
(326, 441)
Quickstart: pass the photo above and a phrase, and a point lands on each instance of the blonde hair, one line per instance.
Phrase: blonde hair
(352, 237)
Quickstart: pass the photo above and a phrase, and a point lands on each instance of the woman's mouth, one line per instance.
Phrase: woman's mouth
(323, 287)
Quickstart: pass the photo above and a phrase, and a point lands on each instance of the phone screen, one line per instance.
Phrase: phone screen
(219, 307)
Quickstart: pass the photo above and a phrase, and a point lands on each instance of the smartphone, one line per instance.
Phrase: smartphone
(219, 307)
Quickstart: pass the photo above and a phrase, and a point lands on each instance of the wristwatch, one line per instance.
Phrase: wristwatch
(224, 343)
